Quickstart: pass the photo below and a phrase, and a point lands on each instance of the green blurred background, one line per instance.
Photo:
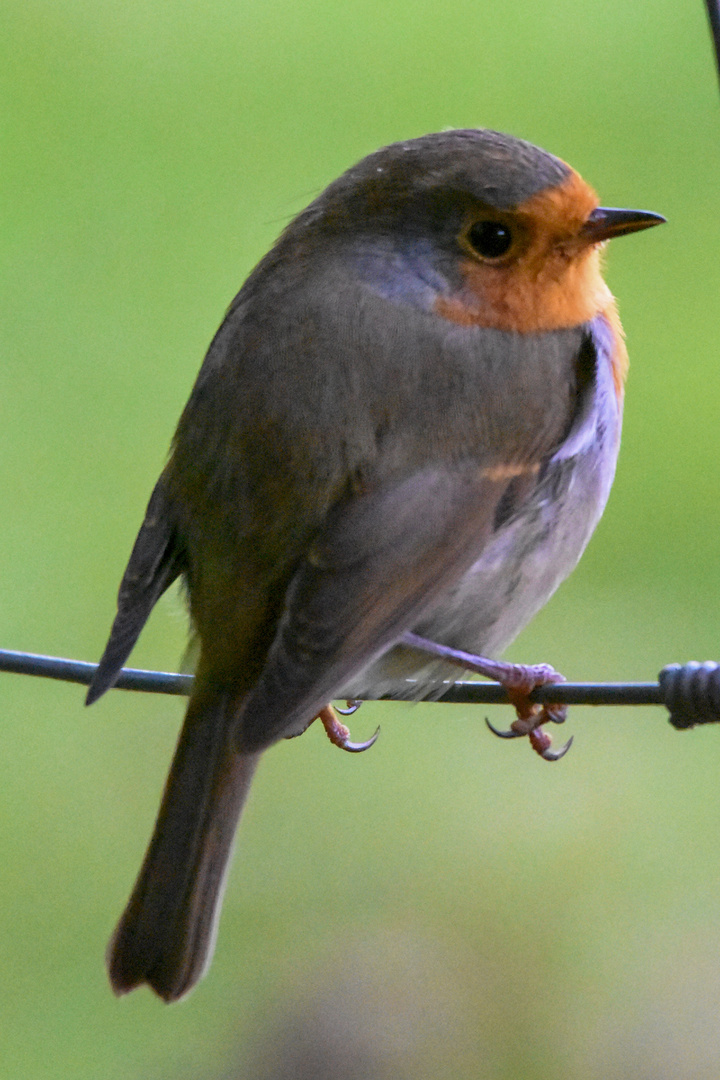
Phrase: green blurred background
(446, 905)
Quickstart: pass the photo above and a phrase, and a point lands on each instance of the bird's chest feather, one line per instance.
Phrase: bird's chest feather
(541, 530)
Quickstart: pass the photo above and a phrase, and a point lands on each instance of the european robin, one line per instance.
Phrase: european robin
(401, 439)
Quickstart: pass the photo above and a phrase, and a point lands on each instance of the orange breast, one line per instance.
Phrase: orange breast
(555, 282)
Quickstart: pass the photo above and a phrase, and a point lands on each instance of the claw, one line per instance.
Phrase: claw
(358, 747)
(539, 739)
(557, 714)
(339, 734)
(352, 707)
(542, 743)
(510, 734)
(547, 754)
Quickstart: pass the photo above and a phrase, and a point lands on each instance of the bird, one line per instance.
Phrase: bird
(399, 443)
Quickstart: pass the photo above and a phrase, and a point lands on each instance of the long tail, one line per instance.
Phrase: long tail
(166, 935)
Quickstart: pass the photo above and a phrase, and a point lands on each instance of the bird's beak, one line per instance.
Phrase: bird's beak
(606, 222)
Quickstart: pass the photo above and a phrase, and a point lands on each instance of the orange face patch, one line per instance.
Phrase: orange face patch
(553, 282)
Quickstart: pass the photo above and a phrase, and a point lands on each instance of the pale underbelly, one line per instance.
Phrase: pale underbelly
(520, 568)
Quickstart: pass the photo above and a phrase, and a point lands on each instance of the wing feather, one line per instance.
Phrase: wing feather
(380, 563)
(156, 560)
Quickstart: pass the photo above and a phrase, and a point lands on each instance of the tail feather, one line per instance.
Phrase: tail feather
(166, 935)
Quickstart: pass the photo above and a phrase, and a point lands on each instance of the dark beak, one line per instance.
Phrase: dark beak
(606, 222)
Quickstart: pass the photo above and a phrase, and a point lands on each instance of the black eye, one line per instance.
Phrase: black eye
(491, 239)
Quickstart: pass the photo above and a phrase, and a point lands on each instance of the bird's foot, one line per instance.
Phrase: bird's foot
(338, 733)
(519, 681)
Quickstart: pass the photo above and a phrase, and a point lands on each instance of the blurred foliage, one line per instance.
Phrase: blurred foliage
(445, 906)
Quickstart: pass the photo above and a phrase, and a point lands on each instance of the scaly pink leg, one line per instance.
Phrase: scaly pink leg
(519, 681)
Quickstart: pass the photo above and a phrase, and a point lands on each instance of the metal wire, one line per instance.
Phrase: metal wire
(691, 692)
(79, 671)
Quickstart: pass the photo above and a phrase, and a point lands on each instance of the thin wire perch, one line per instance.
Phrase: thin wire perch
(691, 692)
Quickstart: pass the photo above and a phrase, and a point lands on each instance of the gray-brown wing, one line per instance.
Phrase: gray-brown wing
(156, 560)
(382, 560)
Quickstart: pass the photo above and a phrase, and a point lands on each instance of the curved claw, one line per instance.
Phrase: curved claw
(339, 734)
(352, 707)
(509, 734)
(556, 714)
(358, 747)
(539, 740)
(554, 755)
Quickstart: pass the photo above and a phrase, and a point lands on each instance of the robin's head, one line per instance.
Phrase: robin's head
(481, 228)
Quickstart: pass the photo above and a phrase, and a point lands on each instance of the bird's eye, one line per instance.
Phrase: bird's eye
(489, 239)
